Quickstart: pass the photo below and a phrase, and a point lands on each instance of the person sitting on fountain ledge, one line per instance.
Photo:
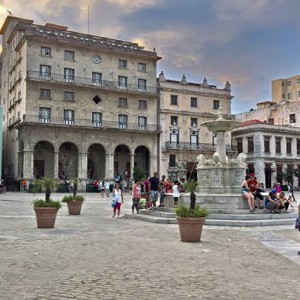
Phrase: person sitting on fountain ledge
(247, 194)
(273, 203)
(255, 190)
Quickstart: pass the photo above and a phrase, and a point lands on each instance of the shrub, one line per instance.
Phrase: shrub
(184, 211)
(43, 203)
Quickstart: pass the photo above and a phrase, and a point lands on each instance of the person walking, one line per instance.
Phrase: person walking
(176, 192)
(136, 196)
(118, 198)
(154, 183)
(162, 191)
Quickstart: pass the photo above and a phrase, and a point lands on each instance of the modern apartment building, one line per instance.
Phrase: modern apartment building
(287, 89)
(183, 107)
(75, 104)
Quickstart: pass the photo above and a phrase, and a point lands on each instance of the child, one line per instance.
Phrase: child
(176, 192)
(136, 196)
(284, 201)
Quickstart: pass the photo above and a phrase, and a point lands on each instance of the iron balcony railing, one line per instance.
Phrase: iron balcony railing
(47, 120)
(89, 81)
(199, 146)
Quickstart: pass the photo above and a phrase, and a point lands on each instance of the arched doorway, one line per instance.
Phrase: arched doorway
(141, 159)
(68, 161)
(122, 161)
(96, 162)
(43, 160)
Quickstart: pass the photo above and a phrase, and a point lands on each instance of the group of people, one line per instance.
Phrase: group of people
(146, 193)
(102, 186)
(275, 201)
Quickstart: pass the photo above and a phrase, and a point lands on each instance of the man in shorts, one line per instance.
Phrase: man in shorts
(153, 186)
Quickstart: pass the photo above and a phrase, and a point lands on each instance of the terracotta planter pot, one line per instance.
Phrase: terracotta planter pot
(74, 207)
(190, 229)
(45, 216)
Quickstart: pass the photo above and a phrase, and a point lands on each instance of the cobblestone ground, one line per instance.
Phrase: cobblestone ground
(93, 256)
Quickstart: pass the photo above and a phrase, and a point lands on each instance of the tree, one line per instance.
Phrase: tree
(67, 160)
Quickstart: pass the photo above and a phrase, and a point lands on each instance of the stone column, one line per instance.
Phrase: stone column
(221, 145)
(131, 164)
(109, 165)
(28, 162)
(153, 164)
(274, 174)
(56, 165)
(259, 167)
(82, 165)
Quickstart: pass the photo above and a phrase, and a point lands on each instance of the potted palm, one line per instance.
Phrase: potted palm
(45, 209)
(74, 201)
(191, 219)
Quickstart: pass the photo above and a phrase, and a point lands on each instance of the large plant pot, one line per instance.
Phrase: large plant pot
(74, 207)
(190, 229)
(45, 216)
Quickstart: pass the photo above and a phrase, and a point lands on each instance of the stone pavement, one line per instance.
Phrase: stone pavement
(93, 256)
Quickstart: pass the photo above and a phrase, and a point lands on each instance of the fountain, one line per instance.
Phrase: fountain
(220, 178)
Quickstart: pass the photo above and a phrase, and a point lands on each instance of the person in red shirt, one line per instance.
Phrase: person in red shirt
(254, 187)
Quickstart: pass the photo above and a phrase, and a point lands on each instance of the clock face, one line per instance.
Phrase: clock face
(97, 59)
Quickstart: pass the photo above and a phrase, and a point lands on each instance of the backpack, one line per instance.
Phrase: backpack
(297, 223)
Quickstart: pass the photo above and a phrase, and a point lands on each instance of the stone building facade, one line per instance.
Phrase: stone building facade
(75, 104)
(270, 150)
(183, 107)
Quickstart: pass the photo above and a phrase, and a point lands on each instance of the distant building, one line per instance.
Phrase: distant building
(270, 149)
(75, 104)
(183, 107)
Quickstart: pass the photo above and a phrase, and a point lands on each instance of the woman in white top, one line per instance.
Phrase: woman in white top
(176, 192)
(118, 198)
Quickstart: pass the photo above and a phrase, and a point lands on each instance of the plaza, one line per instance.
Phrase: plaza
(94, 256)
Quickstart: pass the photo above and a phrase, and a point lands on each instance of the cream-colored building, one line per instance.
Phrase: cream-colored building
(75, 104)
(183, 107)
(287, 89)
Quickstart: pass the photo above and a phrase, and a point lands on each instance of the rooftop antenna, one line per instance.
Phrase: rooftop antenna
(10, 13)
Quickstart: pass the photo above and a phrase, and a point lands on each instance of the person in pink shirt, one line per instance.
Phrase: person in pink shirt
(136, 196)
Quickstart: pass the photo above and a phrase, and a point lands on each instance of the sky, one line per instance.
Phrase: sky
(247, 42)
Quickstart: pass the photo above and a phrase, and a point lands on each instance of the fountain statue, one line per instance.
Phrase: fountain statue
(220, 178)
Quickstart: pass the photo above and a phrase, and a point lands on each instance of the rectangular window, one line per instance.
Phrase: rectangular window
(289, 96)
(194, 102)
(45, 114)
(174, 99)
(216, 104)
(19, 95)
(278, 145)
(194, 122)
(122, 63)
(122, 82)
(298, 80)
(45, 72)
(123, 121)
(69, 96)
(69, 75)
(123, 102)
(298, 94)
(97, 78)
(172, 160)
(266, 144)
(69, 117)
(45, 51)
(142, 104)
(97, 119)
(174, 120)
(45, 94)
(239, 145)
(250, 145)
(142, 67)
(288, 146)
(142, 85)
(69, 55)
(142, 122)
(298, 146)
(271, 121)
(288, 83)
(292, 118)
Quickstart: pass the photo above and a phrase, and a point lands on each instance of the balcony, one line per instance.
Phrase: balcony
(87, 123)
(200, 147)
(90, 82)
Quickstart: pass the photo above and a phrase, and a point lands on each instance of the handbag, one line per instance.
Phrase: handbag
(113, 203)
